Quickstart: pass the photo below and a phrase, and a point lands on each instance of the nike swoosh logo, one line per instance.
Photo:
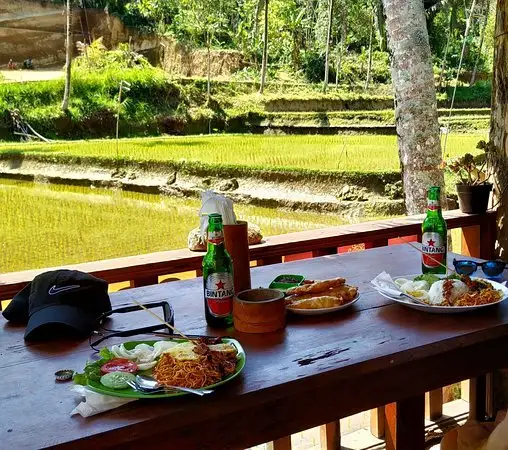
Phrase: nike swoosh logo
(53, 290)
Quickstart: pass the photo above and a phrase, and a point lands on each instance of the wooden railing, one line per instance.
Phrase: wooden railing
(478, 235)
(143, 270)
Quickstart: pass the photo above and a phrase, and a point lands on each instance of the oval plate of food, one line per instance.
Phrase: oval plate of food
(321, 297)
(170, 362)
(448, 295)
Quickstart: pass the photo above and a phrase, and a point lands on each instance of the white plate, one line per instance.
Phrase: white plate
(447, 309)
(318, 311)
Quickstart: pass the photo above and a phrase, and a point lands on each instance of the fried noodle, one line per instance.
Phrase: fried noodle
(192, 374)
(483, 297)
(209, 368)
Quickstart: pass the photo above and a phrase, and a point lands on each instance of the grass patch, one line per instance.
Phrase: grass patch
(65, 225)
(365, 154)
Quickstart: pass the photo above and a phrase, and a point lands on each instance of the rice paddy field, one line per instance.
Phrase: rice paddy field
(361, 153)
(46, 225)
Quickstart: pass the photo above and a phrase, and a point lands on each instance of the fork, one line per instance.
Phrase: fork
(167, 389)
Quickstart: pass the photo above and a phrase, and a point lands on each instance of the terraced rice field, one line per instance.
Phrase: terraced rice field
(359, 153)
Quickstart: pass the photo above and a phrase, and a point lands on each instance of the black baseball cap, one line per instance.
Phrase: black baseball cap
(59, 304)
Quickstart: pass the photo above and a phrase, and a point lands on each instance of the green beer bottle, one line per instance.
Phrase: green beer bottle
(434, 236)
(217, 277)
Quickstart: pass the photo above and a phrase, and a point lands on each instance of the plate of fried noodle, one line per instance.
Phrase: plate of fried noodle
(203, 363)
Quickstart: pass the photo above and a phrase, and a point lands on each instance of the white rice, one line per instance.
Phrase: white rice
(436, 291)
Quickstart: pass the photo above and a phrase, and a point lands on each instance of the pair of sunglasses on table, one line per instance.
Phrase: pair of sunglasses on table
(490, 268)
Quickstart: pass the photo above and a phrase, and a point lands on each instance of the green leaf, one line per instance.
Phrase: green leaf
(106, 353)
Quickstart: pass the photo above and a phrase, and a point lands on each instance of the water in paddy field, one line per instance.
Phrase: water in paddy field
(48, 225)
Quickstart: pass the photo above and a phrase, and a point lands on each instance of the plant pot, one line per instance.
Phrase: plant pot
(474, 199)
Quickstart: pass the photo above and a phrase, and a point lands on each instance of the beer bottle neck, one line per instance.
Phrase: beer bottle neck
(434, 202)
(216, 238)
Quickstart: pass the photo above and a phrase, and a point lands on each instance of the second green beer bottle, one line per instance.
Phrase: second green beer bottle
(434, 235)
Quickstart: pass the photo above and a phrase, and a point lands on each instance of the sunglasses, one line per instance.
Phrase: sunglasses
(490, 268)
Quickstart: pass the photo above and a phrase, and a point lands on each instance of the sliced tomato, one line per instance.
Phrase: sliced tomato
(119, 365)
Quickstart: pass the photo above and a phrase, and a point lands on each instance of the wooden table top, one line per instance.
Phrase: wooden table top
(316, 370)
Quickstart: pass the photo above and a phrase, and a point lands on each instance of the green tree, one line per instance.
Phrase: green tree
(203, 20)
(69, 43)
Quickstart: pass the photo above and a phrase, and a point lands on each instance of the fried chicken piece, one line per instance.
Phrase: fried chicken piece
(316, 302)
(316, 287)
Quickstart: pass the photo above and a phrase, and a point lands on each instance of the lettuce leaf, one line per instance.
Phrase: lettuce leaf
(92, 370)
(428, 277)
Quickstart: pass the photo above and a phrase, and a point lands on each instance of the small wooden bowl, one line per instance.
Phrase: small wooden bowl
(259, 310)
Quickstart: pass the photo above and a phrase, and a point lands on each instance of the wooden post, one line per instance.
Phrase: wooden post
(488, 237)
(377, 422)
(376, 243)
(144, 281)
(269, 260)
(330, 436)
(477, 398)
(280, 444)
(324, 252)
(434, 404)
(405, 424)
(470, 243)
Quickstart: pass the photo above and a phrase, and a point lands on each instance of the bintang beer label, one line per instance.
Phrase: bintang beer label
(434, 250)
(219, 294)
(434, 235)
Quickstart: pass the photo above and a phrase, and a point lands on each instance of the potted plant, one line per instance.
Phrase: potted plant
(474, 188)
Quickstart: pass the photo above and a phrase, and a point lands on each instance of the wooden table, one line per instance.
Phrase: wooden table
(315, 371)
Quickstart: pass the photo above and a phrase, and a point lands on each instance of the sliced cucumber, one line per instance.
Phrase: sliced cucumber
(117, 380)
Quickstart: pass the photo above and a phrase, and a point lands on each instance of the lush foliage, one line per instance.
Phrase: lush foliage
(297, 32)
(97, 57)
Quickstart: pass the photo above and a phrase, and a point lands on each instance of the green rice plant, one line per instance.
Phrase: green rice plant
(51, 225)
(347, 153)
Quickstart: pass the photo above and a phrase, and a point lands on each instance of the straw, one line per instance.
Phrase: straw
(430, 257)
(160, 319)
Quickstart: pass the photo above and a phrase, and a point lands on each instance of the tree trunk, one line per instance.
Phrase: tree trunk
(498, 124)
(328, 39)
(259, 6)
(265, 52)
(480, 47)
(415, 100)
(338, 66)
(369, 64)
(68, 56)
(343, 37)
(209, 69)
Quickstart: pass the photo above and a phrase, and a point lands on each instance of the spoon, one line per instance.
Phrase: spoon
(149, 384)
(402, 294)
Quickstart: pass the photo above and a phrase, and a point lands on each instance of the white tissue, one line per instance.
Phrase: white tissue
(384, 282)
(214, 203)
(96, 403)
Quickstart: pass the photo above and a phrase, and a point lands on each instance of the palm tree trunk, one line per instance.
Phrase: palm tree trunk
(328, 39)
(68, 56)
(209, 69)
(415, 100)
(369, 65)
(265, 52)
